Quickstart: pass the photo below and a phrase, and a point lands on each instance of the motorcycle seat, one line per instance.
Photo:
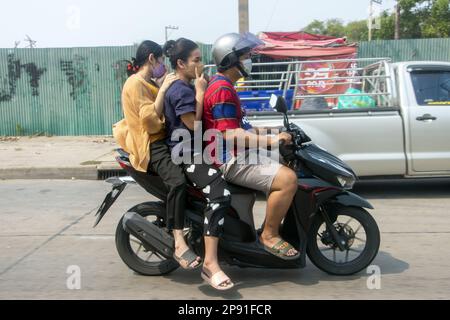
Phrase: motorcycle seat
(123, 153)
(236, 189)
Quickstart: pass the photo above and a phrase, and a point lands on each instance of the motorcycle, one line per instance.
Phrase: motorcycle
(325, 221)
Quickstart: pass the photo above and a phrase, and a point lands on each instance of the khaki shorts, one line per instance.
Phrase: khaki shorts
(258, 176)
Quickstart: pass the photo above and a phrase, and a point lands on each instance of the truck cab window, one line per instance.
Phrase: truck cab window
(432, 87)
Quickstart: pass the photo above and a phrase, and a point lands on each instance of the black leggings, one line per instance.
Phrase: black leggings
(209, 180)
(175, 181)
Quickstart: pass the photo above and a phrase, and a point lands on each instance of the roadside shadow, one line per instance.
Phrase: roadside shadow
(192, 277)
(403, 188)
(309, 276)
(389, 264)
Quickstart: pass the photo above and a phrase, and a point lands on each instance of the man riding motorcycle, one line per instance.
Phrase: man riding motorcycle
(223, 112)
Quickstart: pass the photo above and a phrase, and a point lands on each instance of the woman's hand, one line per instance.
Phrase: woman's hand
(159, 102)
(168, 80)
(200, 82)
(159, 81)
(200, 87)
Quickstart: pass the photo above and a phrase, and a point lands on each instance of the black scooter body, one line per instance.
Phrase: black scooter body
(240, 245)
(323, 184)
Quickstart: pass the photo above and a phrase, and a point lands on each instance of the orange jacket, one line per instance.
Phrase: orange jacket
(141, 125)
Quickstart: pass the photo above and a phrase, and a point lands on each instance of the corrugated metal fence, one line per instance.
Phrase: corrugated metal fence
(72, 91)
(66, 91)
(76, 91)
(407, 50)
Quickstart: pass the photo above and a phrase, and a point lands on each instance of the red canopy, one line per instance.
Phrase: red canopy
(304, 45)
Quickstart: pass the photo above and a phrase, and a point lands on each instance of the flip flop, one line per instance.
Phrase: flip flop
(217, 279)
(280, 249)
(190, 257)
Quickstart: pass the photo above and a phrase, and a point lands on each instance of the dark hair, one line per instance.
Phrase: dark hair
(180, 49)
(146, 48)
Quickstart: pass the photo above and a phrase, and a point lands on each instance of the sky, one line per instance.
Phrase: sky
(82, 23)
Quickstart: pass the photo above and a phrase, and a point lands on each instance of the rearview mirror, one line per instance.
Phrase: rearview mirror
(278, 103)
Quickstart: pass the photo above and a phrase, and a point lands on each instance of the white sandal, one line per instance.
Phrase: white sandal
(217, 280)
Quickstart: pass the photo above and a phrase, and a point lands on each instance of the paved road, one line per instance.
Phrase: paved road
(46, 226)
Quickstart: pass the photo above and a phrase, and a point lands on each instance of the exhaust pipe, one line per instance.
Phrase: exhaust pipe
(150, 235)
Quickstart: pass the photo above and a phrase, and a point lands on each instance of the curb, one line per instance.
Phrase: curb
(63, 173)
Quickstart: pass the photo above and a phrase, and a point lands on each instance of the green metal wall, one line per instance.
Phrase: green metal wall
(70, 91)
(73, 91)
(407, 50)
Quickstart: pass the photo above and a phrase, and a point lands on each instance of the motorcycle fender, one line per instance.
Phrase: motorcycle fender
(110, 198)
(350, 199)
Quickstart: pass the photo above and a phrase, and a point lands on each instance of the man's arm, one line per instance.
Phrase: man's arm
(246, 138)
(267, 130)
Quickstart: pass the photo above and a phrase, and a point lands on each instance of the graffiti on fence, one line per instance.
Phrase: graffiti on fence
(15, 68)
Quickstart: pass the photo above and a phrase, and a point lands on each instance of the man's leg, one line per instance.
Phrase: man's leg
(282, 192)
(276, 180)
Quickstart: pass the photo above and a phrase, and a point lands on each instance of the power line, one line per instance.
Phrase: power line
(271, 16)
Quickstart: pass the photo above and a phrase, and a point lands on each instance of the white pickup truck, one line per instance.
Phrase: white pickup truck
(405, 133)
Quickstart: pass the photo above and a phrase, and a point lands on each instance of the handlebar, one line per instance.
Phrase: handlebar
(287, 150)
(298, 135)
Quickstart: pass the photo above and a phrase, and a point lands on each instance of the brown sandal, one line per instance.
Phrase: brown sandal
(281, 249)
(189, 257)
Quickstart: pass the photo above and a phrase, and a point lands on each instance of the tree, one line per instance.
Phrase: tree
(411, 18)
(315, 27)
(330, 27)
(335, 27)
(387, 27)
(357, 31)
(417, 19)
(438, 21)
(424, 18)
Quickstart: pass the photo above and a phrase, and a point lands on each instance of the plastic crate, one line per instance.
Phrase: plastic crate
(263, 104)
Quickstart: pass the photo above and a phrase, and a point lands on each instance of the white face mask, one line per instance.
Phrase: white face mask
(248, 65)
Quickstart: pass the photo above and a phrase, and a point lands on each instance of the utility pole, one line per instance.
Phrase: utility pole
(243, 16)
(170, 28)
(397, 21)
(370, 22)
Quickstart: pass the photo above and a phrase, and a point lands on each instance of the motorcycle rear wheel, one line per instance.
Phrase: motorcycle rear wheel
(126, 243)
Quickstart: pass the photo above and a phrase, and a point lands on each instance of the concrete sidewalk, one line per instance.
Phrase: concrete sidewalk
(80, 157)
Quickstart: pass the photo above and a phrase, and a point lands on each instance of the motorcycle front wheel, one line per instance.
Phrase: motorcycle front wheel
(357, 228)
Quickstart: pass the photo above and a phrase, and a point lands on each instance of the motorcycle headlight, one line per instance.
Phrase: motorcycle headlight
(346, 182)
